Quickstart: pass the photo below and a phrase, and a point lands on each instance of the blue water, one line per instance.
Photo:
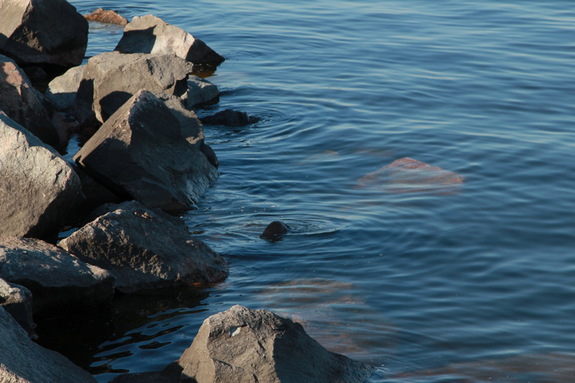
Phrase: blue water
(475, 285)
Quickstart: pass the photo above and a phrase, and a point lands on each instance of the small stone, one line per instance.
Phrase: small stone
(275, 231)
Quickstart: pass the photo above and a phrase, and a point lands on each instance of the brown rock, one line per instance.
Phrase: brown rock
(107, 17)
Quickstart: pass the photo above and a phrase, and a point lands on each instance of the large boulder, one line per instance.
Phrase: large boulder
(55, 277)
(43, 32)
(145, 249)
(17, 301)
(62, 89)
(243, 345)
(23, 361)
(38, 186)
(24, 104)
(150, 34)
(143, 151)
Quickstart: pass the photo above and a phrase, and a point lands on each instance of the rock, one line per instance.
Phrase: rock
(38, 186)
(43, 32)
(62, 90)
(275, 231)
(23, 361)
(228, 117)
(171, 374)
(144, 250)
(150, 34)
(200, 91)
(141, 151)
(407, 175)
(243, 345)
(17, 301)
(106, 17)
(24, 104)
(56, 278)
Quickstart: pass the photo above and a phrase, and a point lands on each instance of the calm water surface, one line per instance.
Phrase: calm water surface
(472, 286)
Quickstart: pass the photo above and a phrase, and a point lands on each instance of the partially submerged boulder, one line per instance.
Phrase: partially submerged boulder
(200, 91)
(275, 231)
(229, 117)
(145, 250)
(106, 17)
(144, 152)
(243, 345)
(17, 301)
(55, 277)
(43, 32)
(38, 186)
(23, 361)
(150, 34)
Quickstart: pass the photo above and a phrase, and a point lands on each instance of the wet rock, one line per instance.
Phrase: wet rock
(17, 301)
(62, 90)
(43, 32)
(56, 278)
(24, 104)
(228, 117)
(144, 250)
(243, 345)
(106, 17)
(171, 374)
(275, 231)
(23, 361)
(141, 151)
(38, 187)
(200, 91)
(150, 34)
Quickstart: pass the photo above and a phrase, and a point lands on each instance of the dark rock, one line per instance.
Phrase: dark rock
(141, 151)
(17, 301)
(24, 104)
(38, 186)
(56, 278)
(243, 345)
(275, 231)
(228, 117)
(171, 374)
(62, 90)
(144, 250)
(43, 32)
(106, 17)
(150, 34)
(23, 361)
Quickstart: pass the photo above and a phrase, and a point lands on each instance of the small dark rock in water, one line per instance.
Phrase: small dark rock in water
(229, 117)
(106, 17)
(275, 231)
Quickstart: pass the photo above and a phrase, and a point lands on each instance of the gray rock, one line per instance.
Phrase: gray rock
(275, 231)
(200, 91)
(243, 345)
(142, 151)
(150, 34)
(144, 250)
(24, 104)
(38, 186)
(62, 89)
(43, 32)
(229, 117)
(55, 277)
(17, 301)
(23, 361)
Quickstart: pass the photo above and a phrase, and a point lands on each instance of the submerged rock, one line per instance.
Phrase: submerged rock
(228, 117)
(106, 17)
(275, 231)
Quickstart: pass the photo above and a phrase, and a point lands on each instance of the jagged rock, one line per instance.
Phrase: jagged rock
(144, 250)
(243, 345)
(55, 277)
(17, 301)
(38, 187)
(141, 151)
(200, 91)
(24, 104)
(107, 17)
(275, 231)
(62, 90)
(228, 117)
(43, 32)
(150, 34)
(23, 361)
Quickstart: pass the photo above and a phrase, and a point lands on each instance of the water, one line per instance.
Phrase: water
(469, 286)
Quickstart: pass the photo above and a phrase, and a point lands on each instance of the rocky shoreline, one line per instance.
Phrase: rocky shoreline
(143, 161)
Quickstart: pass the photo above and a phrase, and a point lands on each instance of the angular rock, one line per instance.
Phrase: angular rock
(55, 277)
(24, 104)
(106, 17)
(141, 151)
(43, 32)
(38, 186)
(62, 90)
(229, 117)
(275, 231)
(145, 250)
(200, 91)
(243, 345)
(23, 361)
(17, 301)
(150, 34)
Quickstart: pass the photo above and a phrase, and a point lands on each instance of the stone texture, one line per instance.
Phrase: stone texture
(55, 277)
(243, 345)
(229, 117)
(144, 152)
(150, 34)
(23, 361)
(145, 250)
(62, 90)
(38, 186)
(24, 104)
(200, 91)
(43, 32)
(275, 231)
(17, 301)
(106, 17)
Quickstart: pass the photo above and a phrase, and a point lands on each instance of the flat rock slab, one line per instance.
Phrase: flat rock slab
(55, 277)
(145, 250)
(243, 345)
